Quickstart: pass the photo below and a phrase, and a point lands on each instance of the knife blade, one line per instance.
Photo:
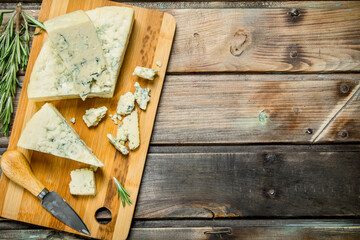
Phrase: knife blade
(16, 167)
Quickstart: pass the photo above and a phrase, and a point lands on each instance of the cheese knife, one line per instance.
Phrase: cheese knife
(16, 167)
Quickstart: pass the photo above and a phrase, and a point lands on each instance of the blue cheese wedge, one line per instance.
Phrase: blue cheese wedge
(48, 131)
(126, 104)
(93, 116)
(120, 147)
(146, 73)
(142, 96)
(82, 182)
(129, 130)
(51, 80)
(113, 26)
(74, 37)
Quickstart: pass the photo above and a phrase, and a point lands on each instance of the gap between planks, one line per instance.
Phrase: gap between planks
(248, 229)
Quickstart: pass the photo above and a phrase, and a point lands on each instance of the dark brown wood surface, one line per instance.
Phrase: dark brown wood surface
(238, 150)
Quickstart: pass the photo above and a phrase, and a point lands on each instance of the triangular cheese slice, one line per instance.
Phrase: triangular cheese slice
(48, 132)
(51, 80)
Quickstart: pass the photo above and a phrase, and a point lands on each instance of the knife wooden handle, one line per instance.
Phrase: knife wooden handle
(16, 167)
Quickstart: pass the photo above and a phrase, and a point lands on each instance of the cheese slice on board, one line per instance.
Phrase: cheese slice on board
(48, 131)
(74, 37)
(50, 79)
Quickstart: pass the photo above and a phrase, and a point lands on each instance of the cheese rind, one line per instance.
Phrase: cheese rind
(130, 130)
(120, 147)
(48, 131)
(82, 182)
(93, 116)
(74, 37)
(51, 80)
(144, 72)
(126, 104)
(142, 96)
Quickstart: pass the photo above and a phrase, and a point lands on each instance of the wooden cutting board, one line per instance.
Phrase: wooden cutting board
(150, 41)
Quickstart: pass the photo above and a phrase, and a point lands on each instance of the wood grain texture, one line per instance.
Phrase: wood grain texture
(266, 37)
(225, 109)
(249, 40)
(150, 41)
(250, 184)
(346, 126)
(249, 108)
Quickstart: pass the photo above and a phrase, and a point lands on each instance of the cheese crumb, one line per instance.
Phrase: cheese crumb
(146, 73)
(130, 130)
(114, 118)
(82, 182)
(142, 96)
(159, 63)
(126, 104)
(120, 147)
(73, 120)
(93, 116)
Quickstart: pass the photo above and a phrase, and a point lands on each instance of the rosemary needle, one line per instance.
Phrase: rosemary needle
(122, 193)
(14, 55)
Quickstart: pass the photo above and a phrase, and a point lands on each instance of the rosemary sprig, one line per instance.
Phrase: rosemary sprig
(14, 55)
(122, 193)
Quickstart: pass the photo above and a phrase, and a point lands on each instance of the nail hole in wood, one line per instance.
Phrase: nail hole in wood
(343, 134)
(294, 12)
(103, 215)
(293, 54)
(309, 131)
(195, 34)
(272, 192)
(344, 88)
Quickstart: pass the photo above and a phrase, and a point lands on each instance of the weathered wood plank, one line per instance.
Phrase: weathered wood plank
(272, 184)
(247, 108)
(214, 229)
(299, 38)
(259, 183)
(249, 40)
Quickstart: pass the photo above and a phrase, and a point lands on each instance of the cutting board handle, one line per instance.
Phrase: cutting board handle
(16, 167)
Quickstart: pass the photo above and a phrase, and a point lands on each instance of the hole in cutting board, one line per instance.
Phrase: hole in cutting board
(103, 215)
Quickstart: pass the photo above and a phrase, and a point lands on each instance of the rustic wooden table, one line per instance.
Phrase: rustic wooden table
(258, 125)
